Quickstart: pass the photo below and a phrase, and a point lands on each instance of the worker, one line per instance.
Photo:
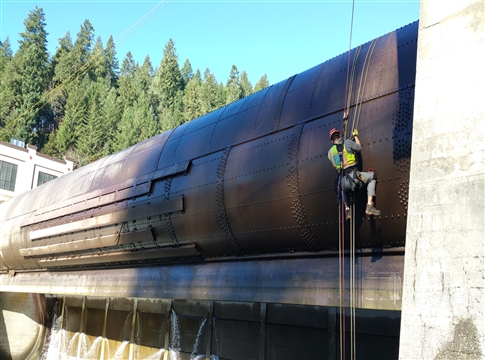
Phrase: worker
(346, 151)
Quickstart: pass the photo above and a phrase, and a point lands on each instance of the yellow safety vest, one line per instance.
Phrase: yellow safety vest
(349, 159)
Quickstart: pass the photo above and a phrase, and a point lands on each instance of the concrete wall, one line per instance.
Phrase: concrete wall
(22, 330)
(444, 293)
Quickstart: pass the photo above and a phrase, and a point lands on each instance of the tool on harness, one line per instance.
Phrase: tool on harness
(354, 180)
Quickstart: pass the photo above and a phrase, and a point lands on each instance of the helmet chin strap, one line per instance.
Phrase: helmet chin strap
(338, 140)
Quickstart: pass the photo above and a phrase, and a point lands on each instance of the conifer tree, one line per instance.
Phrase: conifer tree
(138, 123)
(61, 69)
(75, 114)
(112, 63)
(143, 76)
(126, 86)
(167, 89)
(91, 131)
(187, 73)
(145, 120)
(111, 116)
(233, 86)
(126, 134)
(221, 95)
(246, 87)
(33, 118)
(5, 53)
(71, 102)
(192, 98)
(99, 63)
(81, 52)
(263, 83)
(7, 92)
(210, 98)
(62, 60)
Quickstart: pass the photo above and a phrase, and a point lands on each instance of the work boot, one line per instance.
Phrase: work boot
(371, 210)
(347, 213)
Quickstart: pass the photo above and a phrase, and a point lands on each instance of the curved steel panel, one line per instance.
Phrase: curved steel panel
(16, 206)
(257, 197)
(249, 178)
(200, 222)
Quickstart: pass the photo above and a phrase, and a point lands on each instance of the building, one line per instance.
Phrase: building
(22, 169)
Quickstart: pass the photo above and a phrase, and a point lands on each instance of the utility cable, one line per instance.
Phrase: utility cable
(85, 67)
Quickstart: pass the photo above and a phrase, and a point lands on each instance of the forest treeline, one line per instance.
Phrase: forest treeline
(81, 103)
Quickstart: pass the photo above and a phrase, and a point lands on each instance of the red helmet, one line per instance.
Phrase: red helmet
(333, 131)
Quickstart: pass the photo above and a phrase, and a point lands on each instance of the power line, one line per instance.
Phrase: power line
(88, 65)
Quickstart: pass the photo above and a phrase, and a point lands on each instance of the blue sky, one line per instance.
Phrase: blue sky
(279, 38)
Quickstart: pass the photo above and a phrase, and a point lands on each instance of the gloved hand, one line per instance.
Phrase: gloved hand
(355, 133)
(346, 115)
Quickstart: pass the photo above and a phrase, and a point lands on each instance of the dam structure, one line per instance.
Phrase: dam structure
(221, 238)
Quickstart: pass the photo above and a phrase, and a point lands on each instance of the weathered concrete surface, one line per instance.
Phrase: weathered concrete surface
(444, 292)
(22, 330)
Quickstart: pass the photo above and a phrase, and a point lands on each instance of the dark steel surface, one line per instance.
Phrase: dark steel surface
(253, 175)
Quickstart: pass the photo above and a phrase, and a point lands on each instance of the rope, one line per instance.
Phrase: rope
(363, 81)
(341, 283)
(350, 88)
(348, 58)
(342, 266)
(353, 352)
(342, 218)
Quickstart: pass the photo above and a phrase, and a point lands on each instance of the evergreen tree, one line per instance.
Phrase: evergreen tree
(233, 86)
(5, 53)
(221, 95)
(62, 62)
(75, 115)
(144, 120)
(112, 64)
(167, 89)
(187, 73)
(99, 63)
(111, 116)
(81, 52)
(143, 76)
(263, 83)
(91, 131)
(210, 97)
(126, 86)
(138, 123)
(246, 87)
(192, 100)
(62, 70)
(126, 134)
(33, 118)
(7, 93)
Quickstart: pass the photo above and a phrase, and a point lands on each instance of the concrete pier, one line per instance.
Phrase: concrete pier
(444, 292)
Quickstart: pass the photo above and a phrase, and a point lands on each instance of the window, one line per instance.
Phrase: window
(8, 175)
(43, 178)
